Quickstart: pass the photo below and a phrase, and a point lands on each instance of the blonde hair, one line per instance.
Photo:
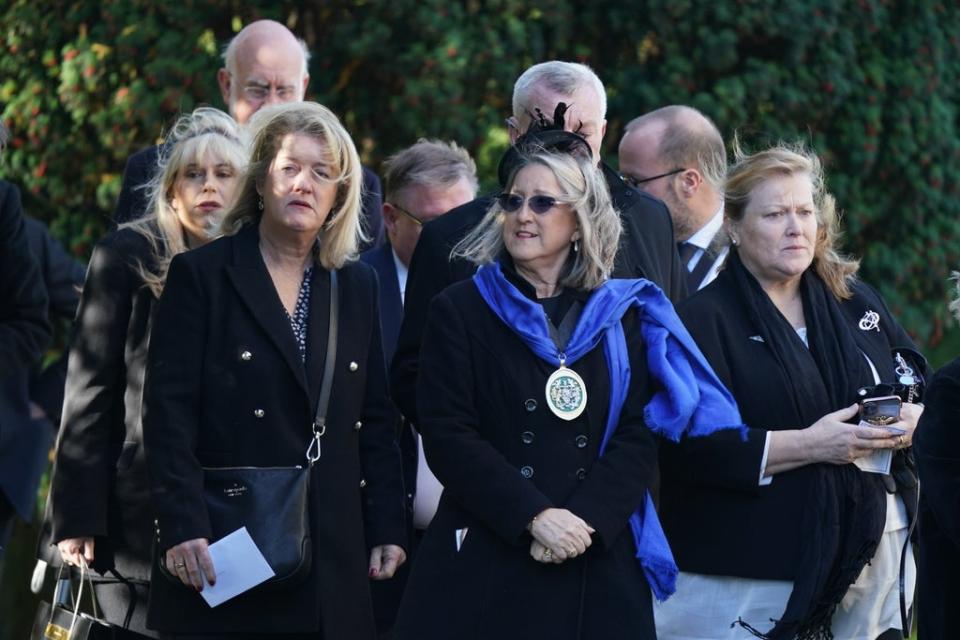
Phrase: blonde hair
(342, 233)
(750, 170)
(583, 187)
(204, 132)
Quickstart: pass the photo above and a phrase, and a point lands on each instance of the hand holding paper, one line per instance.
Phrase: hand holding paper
(239, 566)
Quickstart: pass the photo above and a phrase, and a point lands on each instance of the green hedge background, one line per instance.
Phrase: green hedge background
(871, 84)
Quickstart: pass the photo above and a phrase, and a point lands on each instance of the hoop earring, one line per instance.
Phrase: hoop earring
(260, 203)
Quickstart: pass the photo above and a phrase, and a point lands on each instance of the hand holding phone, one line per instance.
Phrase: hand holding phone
(882, 412)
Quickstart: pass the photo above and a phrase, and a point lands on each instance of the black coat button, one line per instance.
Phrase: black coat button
(530, 404)
(580, 441)
(581, 473)
(526, 472)
(526, 437)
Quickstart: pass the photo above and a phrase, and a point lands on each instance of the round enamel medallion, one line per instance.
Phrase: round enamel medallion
(566, 393)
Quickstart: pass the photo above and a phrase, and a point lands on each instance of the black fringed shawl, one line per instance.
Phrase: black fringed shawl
(844, 509)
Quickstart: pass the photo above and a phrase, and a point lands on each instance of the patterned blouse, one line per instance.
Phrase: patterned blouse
(301, 314)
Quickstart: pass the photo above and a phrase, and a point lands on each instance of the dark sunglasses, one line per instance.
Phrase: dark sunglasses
(512, 202)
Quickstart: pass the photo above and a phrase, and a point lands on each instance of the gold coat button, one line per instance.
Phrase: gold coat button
(357, 425)
(246, 355)
(354, 366)
(258, 412)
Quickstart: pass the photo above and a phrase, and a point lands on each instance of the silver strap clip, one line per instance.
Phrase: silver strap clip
(313, 451)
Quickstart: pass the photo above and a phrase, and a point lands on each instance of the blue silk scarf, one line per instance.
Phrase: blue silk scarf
(691, 400)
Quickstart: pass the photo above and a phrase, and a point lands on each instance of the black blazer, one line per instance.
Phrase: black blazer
(24, 441)
(647, 250)
(502, 457)
(391, 305)
(24, 330)
(391, 315)
(387, 593)
(719, 520)
(937, 447)
(226, 387)
(142, 165)
(100, 485)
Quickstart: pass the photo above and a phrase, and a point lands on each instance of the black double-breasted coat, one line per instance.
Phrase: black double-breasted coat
(503, 457)
(100, 485)
(226, 387)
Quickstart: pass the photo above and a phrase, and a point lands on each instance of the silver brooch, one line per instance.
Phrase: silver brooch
(870, 321)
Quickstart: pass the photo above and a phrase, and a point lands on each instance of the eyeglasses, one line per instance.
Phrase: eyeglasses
(260, 92)
(635, 182)
(414, 218)
(512, 202)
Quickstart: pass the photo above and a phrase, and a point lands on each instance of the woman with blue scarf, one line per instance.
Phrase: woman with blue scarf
(543, 389)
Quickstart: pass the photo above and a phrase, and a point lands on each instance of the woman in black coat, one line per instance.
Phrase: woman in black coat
(937, 448)
(100, 493)
(545, 508)
(782, 533)
(235, 369)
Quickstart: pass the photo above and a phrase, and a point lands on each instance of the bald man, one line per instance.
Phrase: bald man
(676, 154)
(264, 64)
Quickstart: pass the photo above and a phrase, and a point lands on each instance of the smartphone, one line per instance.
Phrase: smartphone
(881, 412)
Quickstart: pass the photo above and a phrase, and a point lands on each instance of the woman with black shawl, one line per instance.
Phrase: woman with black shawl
(782, 536)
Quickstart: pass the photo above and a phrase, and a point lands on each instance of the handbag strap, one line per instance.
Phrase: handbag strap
(320, 420)
(85, 577)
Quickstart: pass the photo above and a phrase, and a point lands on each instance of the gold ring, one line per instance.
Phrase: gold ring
(179, 565)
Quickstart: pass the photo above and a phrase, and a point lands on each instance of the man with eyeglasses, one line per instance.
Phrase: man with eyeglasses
(676, 154)
(646, 246)
(422, 182)
(264, 64)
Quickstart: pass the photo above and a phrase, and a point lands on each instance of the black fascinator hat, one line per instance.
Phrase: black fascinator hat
(543, 135)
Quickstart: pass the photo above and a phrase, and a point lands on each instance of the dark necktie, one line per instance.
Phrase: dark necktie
(696, 275)
(687, 251)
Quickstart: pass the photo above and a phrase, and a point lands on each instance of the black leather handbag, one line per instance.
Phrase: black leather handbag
(273, 502)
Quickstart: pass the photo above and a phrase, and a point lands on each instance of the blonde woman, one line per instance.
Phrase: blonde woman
(236, 364)
(782, 536)
(100, 500)
(542, 394)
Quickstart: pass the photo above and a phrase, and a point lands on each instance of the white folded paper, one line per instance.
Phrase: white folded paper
(878, 461)
(239, 567)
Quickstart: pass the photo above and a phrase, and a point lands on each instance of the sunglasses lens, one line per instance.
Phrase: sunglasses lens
(542, 204)
(510, 202)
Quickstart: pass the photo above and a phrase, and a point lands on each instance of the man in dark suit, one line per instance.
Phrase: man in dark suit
(646, 246)
(423, 182)
(24, 330)
(264, 64)
(676, 154)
